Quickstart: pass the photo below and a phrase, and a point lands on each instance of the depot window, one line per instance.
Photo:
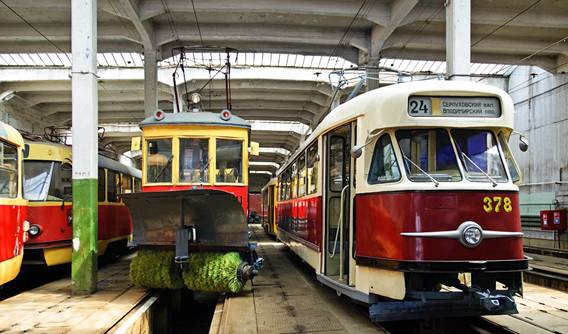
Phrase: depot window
(159, 160)
(229, 163)
(427, 155)
(8, 170)
(194, 160)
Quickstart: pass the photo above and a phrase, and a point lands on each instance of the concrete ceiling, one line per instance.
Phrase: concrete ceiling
(508, 31)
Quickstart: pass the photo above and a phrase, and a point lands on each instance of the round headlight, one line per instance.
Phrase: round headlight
(471, 236)
(34, 230)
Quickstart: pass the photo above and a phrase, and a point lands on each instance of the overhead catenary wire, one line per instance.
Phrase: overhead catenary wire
(197, 23)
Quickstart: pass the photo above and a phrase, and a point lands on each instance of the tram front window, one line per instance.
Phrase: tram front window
(480, 156)
(46, 180)
(229, 154)
(8, 170)
(428, 155)
(159, 160)
(194, 160)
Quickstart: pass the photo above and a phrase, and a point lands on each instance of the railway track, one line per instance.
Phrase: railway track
(548, 271)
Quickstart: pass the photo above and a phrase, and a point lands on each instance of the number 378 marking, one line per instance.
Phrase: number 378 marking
(497, 203)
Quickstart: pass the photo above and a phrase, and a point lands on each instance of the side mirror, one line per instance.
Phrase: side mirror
(254, 148)
(523, 143)
(356, 151)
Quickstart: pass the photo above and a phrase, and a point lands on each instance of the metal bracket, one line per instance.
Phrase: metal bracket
(184, 236)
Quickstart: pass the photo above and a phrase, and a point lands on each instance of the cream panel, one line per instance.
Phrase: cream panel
(382, 282)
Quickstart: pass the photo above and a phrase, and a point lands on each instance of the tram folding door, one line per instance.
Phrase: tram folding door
(337, 193)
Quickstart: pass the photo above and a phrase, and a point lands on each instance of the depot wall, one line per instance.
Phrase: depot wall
(541, 104)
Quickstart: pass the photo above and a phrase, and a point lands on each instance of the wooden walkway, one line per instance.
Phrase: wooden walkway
(51, 309)
(285, 299)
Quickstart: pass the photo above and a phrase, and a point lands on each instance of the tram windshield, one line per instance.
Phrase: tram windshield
(229, 154)
(159, 160)
(428, 155)
(480, 156)
(47, 181)
(8, 170)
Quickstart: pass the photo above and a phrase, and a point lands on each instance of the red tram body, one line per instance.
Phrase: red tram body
(47, 179)
(404, 198)
(13, 226)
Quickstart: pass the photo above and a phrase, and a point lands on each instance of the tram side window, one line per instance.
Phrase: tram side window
(312, 168)
(288, 183)
(8, 170)
(102, 188)
(159, 160)
(194, 160)
(126, 184)
(384, 167)
(302, 175)
(511, 165)
(294, 178)
(137, 185)
(229, 154)
(112, 178)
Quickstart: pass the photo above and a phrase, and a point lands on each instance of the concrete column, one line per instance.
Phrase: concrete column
(84, 99)
(373, 78)
(458, 39)
(150, 82)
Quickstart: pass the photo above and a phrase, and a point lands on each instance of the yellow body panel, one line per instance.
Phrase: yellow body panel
(49, 152)
(9, 269)
(62, 255)
(200, 131)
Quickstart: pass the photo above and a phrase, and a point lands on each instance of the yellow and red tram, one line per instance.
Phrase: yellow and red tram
(405, 198)
(269, 193)
(13, 226)
(47, 187)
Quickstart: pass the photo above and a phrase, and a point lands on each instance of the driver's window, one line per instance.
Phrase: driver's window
(194, 160)
(384, 167)
(159, 160)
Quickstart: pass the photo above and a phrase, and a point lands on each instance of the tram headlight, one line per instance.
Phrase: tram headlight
(471, 236)
(34, 230)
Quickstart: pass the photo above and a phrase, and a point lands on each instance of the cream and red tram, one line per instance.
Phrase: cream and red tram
(405, 198)
(13, 226)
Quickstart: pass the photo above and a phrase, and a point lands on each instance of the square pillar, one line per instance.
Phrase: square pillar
(458, 39)
(84, 98)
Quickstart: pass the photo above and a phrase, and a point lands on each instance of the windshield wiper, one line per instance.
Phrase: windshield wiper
(481, 170)
(436, 183)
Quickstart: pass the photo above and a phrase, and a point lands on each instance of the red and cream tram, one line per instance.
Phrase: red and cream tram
(405, 198)
(47, 187)
(13, 226)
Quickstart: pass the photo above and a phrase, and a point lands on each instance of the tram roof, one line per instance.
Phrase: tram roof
(195, 118)
(10, 134)
(387, 107)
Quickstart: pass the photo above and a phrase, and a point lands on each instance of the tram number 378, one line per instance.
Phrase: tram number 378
(497, 203)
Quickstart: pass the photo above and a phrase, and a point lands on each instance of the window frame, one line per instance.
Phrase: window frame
(377, 142)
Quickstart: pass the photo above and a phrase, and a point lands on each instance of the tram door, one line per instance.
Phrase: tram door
(337, 182)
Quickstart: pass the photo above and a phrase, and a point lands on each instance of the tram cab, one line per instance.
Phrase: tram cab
(13, 226)
(47, 175)
(415, 194)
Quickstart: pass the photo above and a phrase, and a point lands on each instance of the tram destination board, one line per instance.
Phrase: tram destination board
(454, 106)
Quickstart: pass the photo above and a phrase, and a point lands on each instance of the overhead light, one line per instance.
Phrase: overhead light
(195, 98)
(7, 96)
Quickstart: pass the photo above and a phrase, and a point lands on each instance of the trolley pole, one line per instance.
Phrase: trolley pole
(85, 145)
